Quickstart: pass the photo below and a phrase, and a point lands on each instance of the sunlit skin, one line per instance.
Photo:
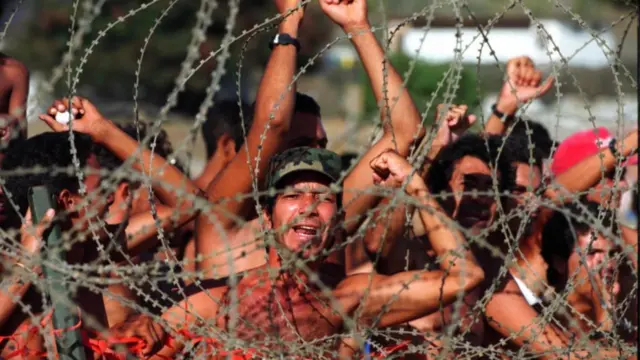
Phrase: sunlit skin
(596, 256)
(307, 209)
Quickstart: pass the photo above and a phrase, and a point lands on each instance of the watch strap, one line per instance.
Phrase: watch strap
(284, 39)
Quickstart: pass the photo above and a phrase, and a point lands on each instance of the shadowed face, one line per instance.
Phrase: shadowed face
(97, 205)
(304, 213)
(307, 130)
(472, 212)
(594, 258)
(525, 200)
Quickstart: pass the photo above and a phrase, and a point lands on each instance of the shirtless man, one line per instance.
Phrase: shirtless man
(275, 104)
(14, 89)
(298, 309)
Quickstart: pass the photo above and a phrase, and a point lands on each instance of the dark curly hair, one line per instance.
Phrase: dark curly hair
(224, 118)
(484, 148)
(564, 227)
(306, 104)
(46, 151)
(539, 135)
(516, 149)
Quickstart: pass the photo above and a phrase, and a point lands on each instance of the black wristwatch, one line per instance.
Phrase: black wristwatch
(284, 39)
(503, 117)
(613, 148)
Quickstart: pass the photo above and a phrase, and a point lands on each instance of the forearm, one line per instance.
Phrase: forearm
(388, 226)
(13, 288)
(387, 86)
(410, 295)
(495, 125)
(165, 177)
(446, 240)
(142, 229)
(589, 172)
(275, 99)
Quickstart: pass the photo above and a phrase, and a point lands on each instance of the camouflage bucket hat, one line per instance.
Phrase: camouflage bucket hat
(299, 159)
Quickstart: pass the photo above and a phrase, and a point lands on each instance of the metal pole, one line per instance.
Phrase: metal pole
(69, 343)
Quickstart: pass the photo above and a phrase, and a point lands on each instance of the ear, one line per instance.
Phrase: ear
(68, 201)
(123, 191)
(267, 220)
(226, 147)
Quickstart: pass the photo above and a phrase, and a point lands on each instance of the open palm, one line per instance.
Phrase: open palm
(87, 118)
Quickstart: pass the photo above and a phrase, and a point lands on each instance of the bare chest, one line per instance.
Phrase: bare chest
(282, 318)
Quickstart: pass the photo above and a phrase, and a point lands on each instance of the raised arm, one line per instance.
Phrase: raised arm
(413, 294)
(589, 171)
(404, 116)
(19, 75)
(522, 84)
(273, 113)
(390, 222)
(176, 210)
(165, 177)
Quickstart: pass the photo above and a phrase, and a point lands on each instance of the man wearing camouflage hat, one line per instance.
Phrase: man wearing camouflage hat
(287, 309)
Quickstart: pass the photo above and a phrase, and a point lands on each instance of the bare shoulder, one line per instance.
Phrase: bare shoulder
(13, 68)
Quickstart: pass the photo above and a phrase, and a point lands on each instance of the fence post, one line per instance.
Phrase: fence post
(69, 343)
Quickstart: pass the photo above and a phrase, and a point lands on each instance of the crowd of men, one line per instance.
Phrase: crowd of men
(436, 241)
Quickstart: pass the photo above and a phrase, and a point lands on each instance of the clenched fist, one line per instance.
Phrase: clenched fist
(392, 170)
(452, 123)
(523, 83)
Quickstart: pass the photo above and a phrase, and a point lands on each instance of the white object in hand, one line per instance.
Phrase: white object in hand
(63, 117)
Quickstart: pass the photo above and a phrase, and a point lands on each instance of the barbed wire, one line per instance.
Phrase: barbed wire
(116, 266)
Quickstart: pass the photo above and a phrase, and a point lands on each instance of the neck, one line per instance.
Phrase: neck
(213, 167)
(275, 262)
(530, 266)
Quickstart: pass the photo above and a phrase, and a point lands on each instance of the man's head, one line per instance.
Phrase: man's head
(222, 131)
(538, 133)
(305, 211)
(465, 166)
(572, 245)
(527, 164)
(52, 153)
(129, 190)
(579, 147)
(306, 128)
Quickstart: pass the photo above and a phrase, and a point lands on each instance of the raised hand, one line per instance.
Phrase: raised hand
(453, 123)
(391, 170)
(351, 15)
(31, 236)
(522, 84)
(87, 118)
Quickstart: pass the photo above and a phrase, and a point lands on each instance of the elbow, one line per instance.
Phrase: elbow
(275, 113)
(473, 277)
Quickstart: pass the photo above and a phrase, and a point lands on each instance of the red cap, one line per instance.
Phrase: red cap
(578, 147)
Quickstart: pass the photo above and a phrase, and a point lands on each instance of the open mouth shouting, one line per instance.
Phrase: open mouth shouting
(305, 234)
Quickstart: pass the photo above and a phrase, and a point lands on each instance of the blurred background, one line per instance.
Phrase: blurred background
(598, 85)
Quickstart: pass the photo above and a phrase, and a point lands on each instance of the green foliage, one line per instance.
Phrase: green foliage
(423, 83)
(111, 67)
